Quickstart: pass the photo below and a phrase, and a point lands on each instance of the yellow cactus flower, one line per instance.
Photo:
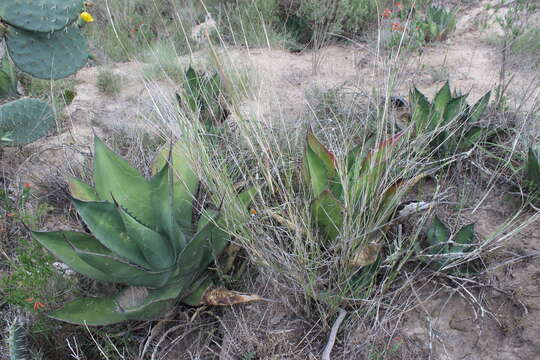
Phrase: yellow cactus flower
(86, 17)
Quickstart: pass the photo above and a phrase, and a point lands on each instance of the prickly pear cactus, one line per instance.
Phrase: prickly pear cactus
(48, 56)
(43, 38)
(17, 341)
(26, 119)
(40, 15)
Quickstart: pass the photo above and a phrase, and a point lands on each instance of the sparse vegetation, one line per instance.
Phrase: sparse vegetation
(109, 82)
(270, 147)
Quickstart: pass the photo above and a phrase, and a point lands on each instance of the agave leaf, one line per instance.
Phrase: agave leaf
(193, 89)
(105, 311)
(463, 238)
(114, 177)
(471, 138)
(163, 203)
(479, 108)
(328, 214)
(455, 108)
(105, 223)
(136, 300)
(315, 172)
(364, 279)
(156, 249)
(390, 200)
(420, 110)
(81, 191)
(433, 30)
(58, 243)
(212, 92)
(209, 226)
(328, 159)
(438, 234)
(121, 271)
(247, 196)
(90, 311)
(533, 168)
(185, 181)
(443, 97)
(196, 296)
(357, 153)
(384, 149)
(212, 105)
(204, 247)
(219, 296)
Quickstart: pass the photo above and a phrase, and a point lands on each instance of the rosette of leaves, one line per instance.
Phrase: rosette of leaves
(142, 235)
(204, 97)
(364, 179)
(446, 247)
(456, 121)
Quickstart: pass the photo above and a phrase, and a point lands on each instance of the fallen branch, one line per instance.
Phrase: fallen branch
(333, 333)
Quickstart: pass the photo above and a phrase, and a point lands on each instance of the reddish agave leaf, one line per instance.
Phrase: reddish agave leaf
(384, 145)
(391, 141)
(219, 296)
(322, 152)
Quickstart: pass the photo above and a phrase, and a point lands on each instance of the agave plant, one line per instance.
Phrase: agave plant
(363, 180)
(446, 246)
(453, 115)
(142, 235)
(203, 96)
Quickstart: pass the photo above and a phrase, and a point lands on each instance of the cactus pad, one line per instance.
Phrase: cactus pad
(27, 120)
(40, 15)
(48, 56)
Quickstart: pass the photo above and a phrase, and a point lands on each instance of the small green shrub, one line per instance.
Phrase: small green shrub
(30, 278)
(109, 82)
(162, 61)
(413, 29)
(528, 44)
(436, 24)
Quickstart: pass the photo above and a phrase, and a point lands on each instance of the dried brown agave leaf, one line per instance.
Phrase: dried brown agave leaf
(365, 256)
(219, 296)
